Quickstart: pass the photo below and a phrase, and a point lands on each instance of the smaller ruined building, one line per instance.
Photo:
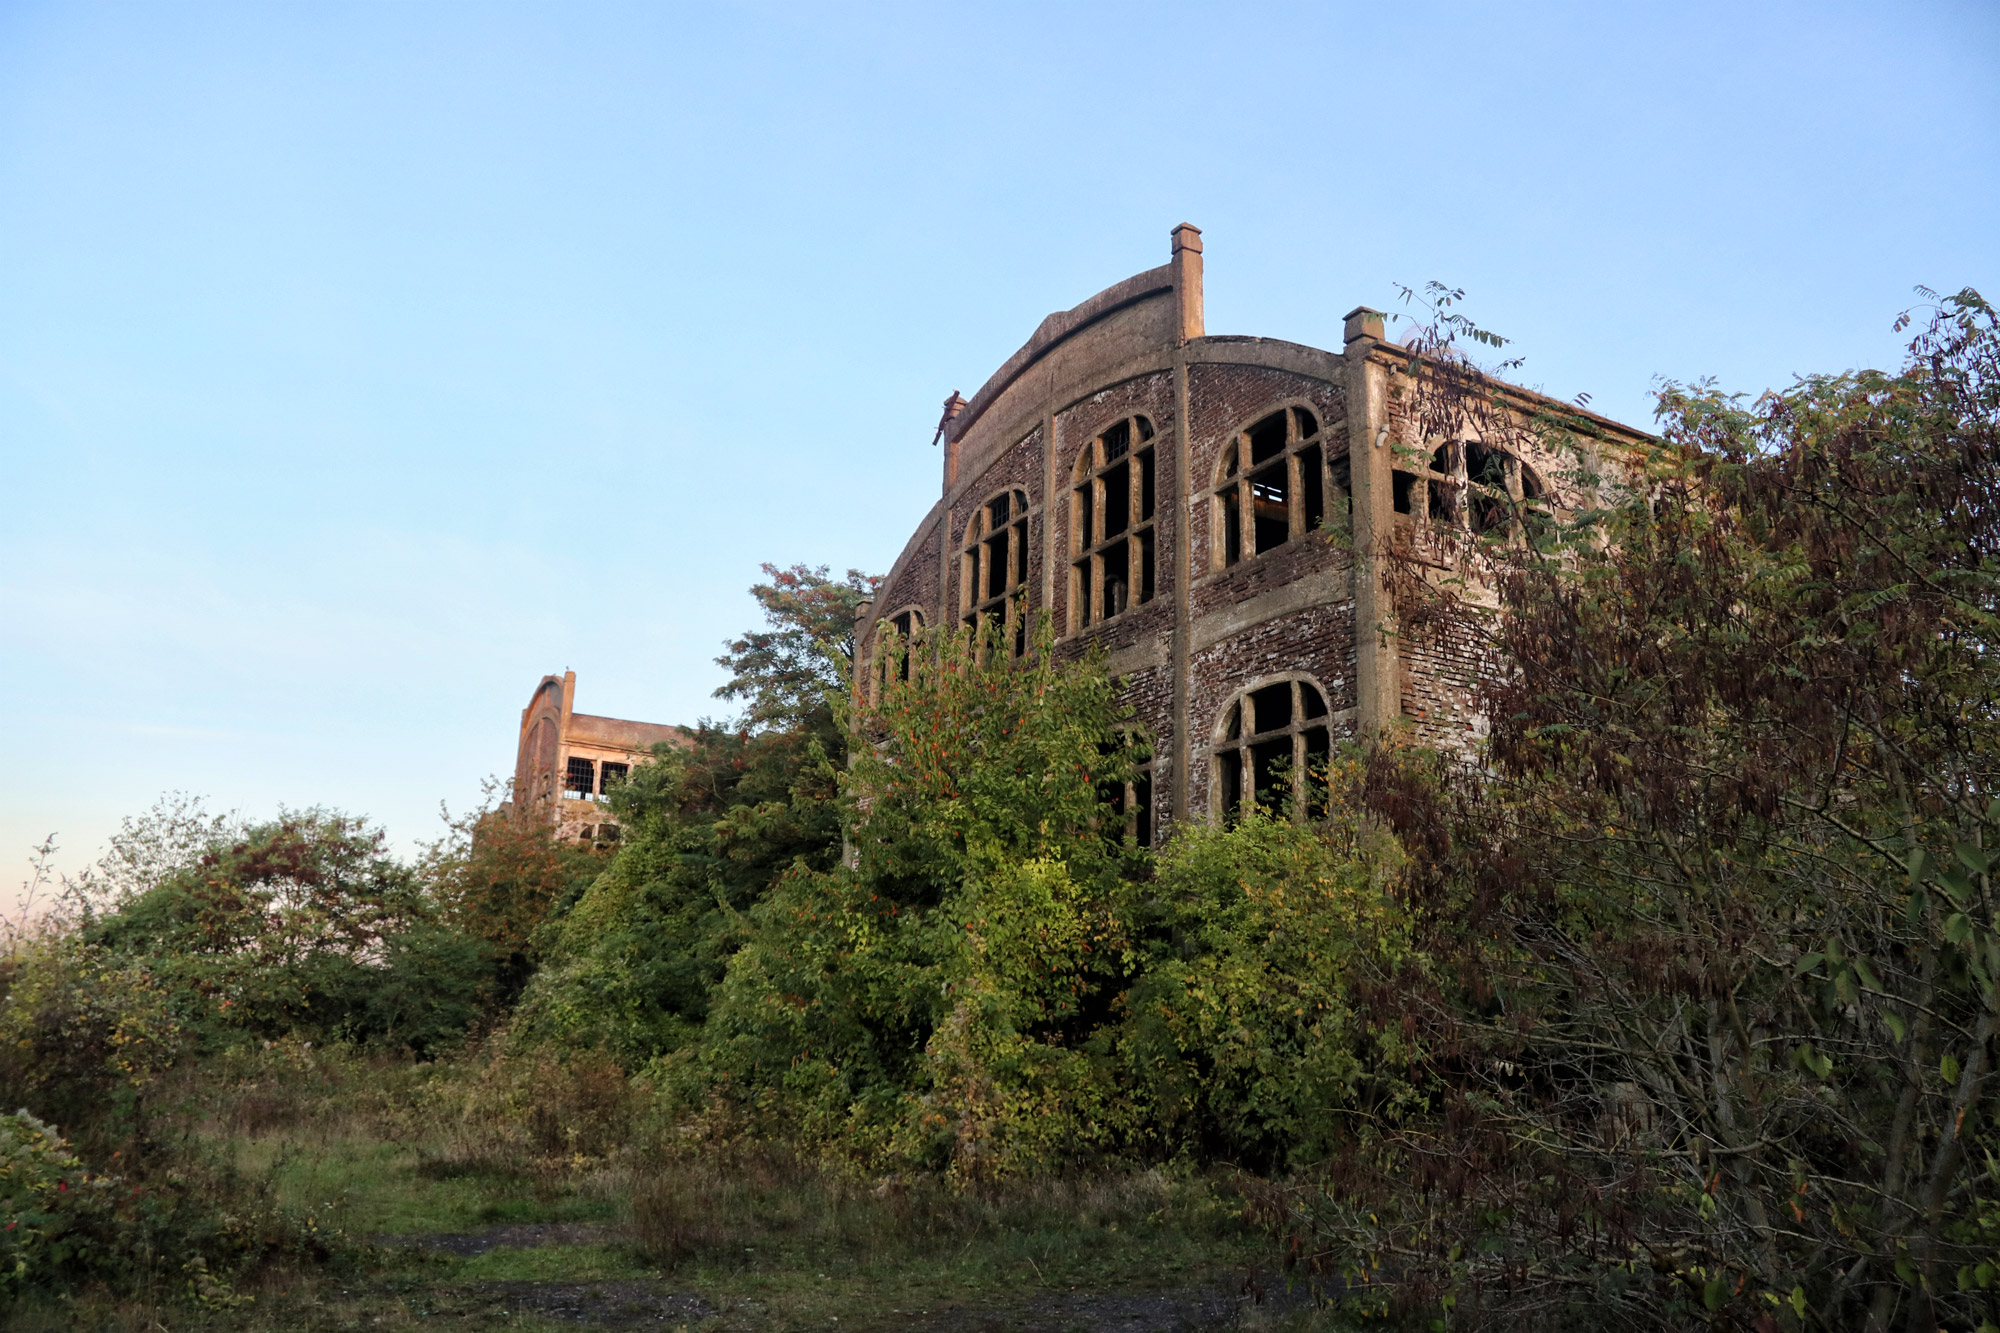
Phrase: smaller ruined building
(568, 761)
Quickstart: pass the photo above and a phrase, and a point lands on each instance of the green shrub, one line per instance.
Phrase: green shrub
(84, 1033)
(1241, 1038)
(934, 999)
(301, 927)
(43, 1189)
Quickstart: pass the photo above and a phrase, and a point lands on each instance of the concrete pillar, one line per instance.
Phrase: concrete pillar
(1187, 281)
(1371, 468)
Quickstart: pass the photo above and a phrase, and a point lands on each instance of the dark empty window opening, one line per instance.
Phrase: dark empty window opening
(993, 572)
(609, 774)
(1272, 748)
(1112, 501)
(1270, 708)
(1276, 484)
(580, 780)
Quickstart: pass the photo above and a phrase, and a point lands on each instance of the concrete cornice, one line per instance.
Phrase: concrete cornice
(1399, 357)
(1054, 330)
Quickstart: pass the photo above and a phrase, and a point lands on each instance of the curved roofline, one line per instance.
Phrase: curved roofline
(1057, 328)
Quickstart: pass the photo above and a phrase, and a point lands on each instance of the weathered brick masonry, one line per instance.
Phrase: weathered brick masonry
(1226, 576)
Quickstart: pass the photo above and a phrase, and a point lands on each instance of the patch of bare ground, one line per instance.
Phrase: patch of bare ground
(520, 1236)
(629, 1303)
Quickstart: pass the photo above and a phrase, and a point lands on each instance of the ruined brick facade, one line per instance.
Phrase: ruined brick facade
(1195, 506)
(567, 760)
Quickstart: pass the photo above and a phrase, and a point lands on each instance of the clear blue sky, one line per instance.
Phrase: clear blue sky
(361, 362)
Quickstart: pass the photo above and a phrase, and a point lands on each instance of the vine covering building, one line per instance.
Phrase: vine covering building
(1193, 506)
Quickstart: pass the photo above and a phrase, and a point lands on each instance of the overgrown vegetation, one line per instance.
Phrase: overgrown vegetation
(1676, 1006)
(1707, 1031)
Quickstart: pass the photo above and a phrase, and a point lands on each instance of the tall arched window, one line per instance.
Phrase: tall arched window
(1271, 746)
(896, 639)
(1274, 483)
(1473, 485)
(993, 569)
(1111, 524)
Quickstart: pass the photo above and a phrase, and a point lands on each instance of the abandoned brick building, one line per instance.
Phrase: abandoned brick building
(1162, 494)
(567, 761)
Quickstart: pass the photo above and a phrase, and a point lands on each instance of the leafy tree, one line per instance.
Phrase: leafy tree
(305, 926)
(632, 963)
(1710, 1038)
(785, 673)
(498, 879)
(706, 830)
(945, 996)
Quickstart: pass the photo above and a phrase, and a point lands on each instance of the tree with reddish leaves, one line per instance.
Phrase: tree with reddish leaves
(1707, 1024)
(785, 673)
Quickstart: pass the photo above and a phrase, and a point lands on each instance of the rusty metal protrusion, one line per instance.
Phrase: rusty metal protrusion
(952, 407)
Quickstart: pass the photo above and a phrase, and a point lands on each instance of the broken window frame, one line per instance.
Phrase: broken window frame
(610, 771)
(1240, 746)
(998, 530)
(1121, 463)
(1246, 496)
(1445, 490)
(579, 779)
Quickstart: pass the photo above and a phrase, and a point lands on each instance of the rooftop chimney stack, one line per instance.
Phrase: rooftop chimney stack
(1187, 280)
(1363, 322)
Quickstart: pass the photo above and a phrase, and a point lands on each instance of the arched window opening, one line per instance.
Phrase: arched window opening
(993, 571)
(896, 640)
(1272, 747)
(1275, 483)
(1475, 486)
(1112, 547)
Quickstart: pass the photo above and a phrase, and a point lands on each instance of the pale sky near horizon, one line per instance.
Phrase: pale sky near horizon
(360, 363)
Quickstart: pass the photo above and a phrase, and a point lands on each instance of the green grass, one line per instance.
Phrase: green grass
(369, 1187)
(556, 1263)
(378, 1152)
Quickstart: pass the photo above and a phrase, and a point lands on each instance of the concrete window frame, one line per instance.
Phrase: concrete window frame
(1113, 523)
(993, 570)
(1276, 481)
(1267, 742)
(893, 652)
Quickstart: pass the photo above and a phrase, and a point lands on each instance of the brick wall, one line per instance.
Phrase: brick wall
(1441, 676)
